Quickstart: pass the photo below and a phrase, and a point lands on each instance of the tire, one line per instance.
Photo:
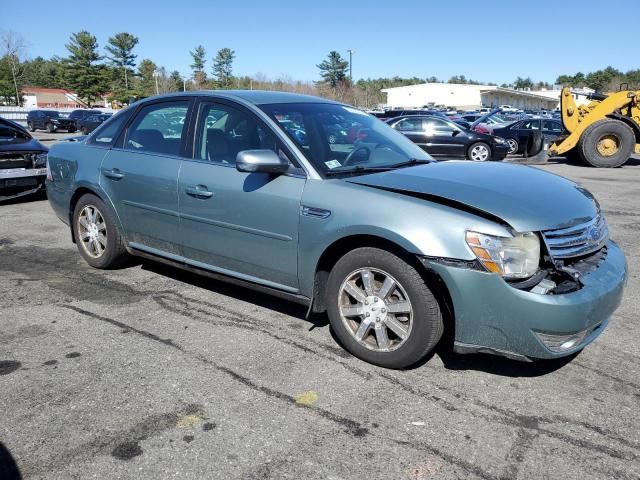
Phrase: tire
(83, 130)
(113, 253)
(31, 127)
(418, 319)
(535, 144)
(474, 152)
(50, 127)
(606, 144)
(513, 146)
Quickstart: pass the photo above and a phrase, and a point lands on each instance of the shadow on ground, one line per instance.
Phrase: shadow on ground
(8, 467)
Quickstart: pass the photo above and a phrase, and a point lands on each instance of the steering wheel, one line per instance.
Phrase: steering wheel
(349, 160)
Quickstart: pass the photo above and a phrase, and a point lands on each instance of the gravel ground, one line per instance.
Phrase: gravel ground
(150, 372)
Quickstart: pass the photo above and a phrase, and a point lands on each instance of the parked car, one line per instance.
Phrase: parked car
(509, 108)
(401, 113)
(49, 120)
(437, 136)
(394, 247)
(22, 161)
(517, 134)
(89, 123)
(81, 114)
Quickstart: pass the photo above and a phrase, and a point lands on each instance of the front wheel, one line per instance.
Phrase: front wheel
(381, 309)
(606, 144)
(479, 152)
(50, 128)
(31, 127)
(96, 232)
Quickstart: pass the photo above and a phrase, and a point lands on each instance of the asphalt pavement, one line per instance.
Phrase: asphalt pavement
(149, 372)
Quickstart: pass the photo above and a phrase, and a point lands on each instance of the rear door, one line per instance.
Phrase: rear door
(141, 175)
(238, 223)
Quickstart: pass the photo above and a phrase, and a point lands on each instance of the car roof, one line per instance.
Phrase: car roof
(256, 97)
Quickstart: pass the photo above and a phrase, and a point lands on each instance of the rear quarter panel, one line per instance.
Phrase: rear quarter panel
(73, 165)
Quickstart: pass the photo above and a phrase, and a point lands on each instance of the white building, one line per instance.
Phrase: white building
(465, 96)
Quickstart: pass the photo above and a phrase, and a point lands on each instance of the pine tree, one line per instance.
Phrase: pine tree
(223, 67)
(333, 70)
(83, 73)
(120, 48)
(199, 56)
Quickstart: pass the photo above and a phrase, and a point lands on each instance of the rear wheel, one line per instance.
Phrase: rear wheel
(606, 144)
(381, 310)
(479, 152)
(513, 145)
(31, 127)
(96, 232)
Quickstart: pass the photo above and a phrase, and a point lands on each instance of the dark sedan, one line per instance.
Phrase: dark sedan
(518, 134)
(81, 114)
(22, 161)
(91, 122)
(441, 137)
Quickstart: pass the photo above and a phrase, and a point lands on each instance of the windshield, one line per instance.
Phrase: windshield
(52, 113)
(340, 138)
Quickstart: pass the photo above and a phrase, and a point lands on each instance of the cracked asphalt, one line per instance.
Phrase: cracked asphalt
(149, 372)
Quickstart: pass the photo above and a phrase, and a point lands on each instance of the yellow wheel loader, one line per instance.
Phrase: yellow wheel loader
(602, 133)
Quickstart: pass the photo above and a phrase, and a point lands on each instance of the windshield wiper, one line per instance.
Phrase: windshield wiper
(357, 169)
(410, 162)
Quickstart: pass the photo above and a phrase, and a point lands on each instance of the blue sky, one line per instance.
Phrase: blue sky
(484, 40)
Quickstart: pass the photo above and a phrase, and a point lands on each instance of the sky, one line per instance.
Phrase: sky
(489, 41)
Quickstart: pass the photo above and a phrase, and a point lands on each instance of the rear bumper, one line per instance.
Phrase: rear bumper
(493, 317)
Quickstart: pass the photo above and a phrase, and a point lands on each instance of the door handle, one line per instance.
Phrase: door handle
(113, 174)
(199, 191)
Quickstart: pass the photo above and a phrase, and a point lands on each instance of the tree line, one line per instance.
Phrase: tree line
(92, 72)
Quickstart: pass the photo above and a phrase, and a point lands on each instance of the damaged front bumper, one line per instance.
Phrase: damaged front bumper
(17, 182)
(492, 316)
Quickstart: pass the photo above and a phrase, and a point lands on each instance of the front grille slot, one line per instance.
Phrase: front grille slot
(578, 240)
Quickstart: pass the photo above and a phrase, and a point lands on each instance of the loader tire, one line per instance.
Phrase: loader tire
(606, 144)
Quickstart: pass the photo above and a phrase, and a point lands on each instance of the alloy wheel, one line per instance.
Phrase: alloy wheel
(376, 309)
(513, 145)
(92, 231)
(480, 153)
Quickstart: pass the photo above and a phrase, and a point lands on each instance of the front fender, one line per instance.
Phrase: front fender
(417, 226)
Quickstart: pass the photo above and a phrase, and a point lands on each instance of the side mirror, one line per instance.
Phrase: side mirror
(266, 161)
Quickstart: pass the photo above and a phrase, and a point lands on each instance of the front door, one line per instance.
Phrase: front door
(445, 138)
(237, 223)
(141, 178)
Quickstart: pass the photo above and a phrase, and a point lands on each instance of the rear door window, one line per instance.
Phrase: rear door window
(159, 128)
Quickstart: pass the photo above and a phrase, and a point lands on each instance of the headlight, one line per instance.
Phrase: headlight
(40, 160)
(53, 120)
(511, 257)
(499, 140)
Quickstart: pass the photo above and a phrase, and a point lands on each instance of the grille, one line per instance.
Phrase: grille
(577, 240)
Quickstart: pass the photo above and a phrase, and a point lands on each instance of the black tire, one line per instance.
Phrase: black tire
(115, 253)
(614, 131)
(83, 130)
(427, 326)
(535, 143)
(479, 144)
(50, 127)
(31, 127)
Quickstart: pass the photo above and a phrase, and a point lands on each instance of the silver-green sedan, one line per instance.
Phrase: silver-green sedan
(248, 186)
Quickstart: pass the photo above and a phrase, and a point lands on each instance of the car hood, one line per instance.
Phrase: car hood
(526, 198)
(31, 145)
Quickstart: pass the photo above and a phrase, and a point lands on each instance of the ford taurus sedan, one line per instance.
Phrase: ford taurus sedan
(394, 247)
